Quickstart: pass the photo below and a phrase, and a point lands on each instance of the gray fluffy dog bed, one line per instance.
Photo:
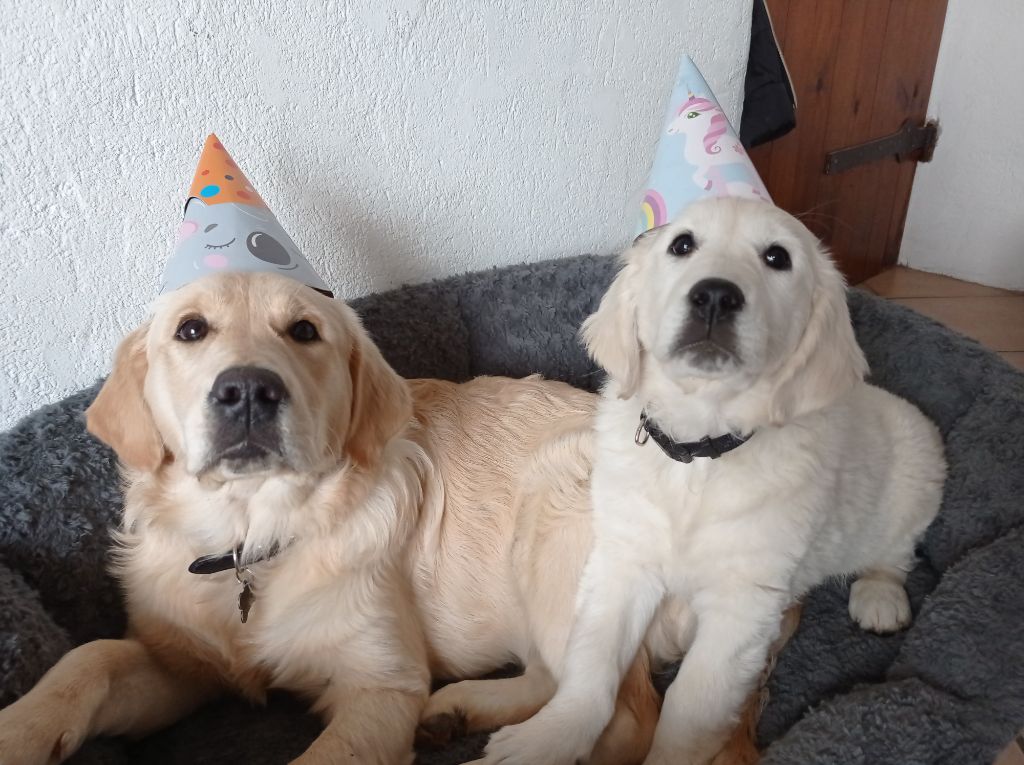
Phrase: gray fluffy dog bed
(948, 690)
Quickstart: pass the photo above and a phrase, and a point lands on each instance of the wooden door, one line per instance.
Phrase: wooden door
(860, 69)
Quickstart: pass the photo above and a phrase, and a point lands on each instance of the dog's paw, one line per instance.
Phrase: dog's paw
(879, 605)
(33, 740)
(545, 739)
(657, 757)
(706, 750)
(661, 757)
(439, 730)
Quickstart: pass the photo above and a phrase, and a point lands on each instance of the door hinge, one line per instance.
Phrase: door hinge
(914, 142)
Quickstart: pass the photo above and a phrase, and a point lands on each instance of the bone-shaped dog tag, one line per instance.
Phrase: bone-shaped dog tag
(245, 600)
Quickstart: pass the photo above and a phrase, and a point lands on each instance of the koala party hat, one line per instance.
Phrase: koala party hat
(228, 227)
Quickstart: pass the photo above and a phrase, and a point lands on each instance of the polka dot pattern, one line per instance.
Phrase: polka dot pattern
(218, 180)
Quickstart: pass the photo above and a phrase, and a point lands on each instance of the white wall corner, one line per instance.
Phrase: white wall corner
(964, 218)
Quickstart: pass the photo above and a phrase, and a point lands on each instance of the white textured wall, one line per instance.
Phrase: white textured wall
(965, 217)
(397, 141)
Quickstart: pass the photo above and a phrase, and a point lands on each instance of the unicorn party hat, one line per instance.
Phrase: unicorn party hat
(228, 227)
(699, 154)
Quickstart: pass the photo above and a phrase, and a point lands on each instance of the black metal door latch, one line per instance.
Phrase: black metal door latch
(916, 142)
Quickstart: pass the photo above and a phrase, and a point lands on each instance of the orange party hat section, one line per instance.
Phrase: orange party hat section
(219, 180)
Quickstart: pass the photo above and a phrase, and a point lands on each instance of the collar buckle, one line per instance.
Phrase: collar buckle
(708, 447)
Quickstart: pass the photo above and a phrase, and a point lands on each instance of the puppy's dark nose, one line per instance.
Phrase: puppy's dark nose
(248, 394)
(715, 299)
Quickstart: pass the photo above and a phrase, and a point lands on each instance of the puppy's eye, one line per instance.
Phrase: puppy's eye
(191, 330)
(303, 331)
(776, 257)
(683, 244)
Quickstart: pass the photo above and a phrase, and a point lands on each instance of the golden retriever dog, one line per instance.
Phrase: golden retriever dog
(297, 516)
(740, 460)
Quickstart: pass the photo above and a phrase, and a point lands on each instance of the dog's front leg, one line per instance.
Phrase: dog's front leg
(734, 633)
(618, 596)
(107, 687)
(373, 683)
(367, 726)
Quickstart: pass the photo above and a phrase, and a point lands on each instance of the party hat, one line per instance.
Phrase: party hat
(228, 227)
(699, 154)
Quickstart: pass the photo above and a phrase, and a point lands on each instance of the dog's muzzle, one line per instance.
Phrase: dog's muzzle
(246, 404)
(708, 336)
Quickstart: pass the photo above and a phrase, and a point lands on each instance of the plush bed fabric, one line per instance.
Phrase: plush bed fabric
(948, 690)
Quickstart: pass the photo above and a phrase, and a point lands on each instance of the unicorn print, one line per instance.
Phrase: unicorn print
(711, 146)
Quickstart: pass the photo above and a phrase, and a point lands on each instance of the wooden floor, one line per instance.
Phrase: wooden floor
(1013, 754)
(992, 316)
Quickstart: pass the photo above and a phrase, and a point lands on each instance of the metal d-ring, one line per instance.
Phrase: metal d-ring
(642, 435)
(243, 574)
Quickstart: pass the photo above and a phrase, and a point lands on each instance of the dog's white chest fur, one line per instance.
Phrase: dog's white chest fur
(313, 585)
(698, 522)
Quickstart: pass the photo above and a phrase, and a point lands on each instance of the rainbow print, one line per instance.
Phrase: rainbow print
(652, 211)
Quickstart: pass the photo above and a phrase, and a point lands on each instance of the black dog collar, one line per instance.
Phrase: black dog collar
(214, 564)
(686, 452)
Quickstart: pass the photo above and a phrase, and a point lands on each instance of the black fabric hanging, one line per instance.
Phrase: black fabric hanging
(769, 107)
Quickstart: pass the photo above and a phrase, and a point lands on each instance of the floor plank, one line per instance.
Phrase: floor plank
(1017, 359)
(1012, 755)
(997, 322)
(901, 282)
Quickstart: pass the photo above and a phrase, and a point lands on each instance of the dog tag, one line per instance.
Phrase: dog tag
(245, 601)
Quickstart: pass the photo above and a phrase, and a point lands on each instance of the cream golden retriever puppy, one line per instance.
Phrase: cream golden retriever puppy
(297, 516)
(726, 333)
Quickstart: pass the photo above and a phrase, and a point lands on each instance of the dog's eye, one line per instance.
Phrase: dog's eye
(191, 330)
(683, 244)
(303, 331)
(777, 257)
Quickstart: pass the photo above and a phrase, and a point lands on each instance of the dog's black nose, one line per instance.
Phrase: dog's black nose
(715, 299)
(249, 394)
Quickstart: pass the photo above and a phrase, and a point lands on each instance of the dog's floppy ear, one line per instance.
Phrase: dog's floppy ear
(381, 402)
(120, 416)
(827, 362)
(611, 334)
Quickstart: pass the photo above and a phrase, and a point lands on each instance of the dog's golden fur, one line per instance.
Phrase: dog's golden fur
(425, 529)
